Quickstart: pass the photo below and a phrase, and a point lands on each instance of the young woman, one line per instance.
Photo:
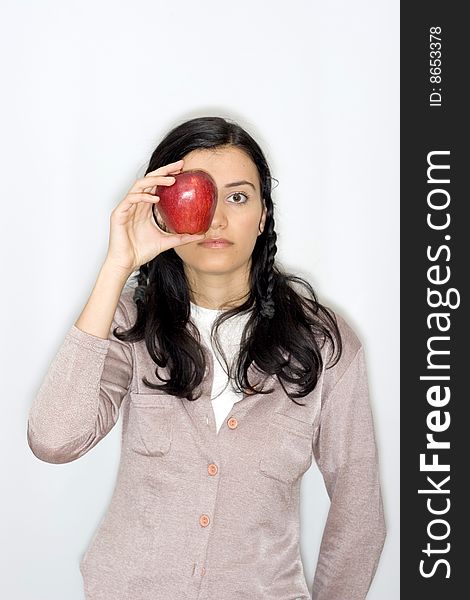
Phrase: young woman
(230, 377)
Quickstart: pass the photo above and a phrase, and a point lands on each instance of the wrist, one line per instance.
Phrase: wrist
(116, 271)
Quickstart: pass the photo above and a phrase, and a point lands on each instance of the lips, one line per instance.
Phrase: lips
(215, 243)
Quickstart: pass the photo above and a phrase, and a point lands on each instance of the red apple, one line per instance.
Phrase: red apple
(188, 205)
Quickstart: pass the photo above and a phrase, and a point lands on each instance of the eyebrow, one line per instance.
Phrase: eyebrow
(237, 183)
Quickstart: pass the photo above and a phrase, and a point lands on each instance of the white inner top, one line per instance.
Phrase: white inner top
(223, 396)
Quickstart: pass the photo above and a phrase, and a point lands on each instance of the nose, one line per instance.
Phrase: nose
(220, 218)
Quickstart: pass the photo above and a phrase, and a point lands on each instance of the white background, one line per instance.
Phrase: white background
(89, 89)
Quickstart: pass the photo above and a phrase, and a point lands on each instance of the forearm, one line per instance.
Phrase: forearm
(354, 535)
(79, 399)
(97, 315)
(346, 453)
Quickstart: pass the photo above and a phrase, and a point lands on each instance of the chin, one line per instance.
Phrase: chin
(215, 266)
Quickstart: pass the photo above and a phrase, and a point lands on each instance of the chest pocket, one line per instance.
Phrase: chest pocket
(287, 449)
(150, 425)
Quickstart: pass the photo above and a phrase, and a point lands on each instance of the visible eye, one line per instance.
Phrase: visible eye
(240, 194)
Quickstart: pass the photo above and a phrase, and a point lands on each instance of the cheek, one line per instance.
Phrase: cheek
(248, 223)
(185, 253)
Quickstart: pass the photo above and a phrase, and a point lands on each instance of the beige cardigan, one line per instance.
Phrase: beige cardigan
(197, 515)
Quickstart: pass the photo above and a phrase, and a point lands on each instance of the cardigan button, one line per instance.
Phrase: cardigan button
(204, 520)
(232, 422)
(212, 469)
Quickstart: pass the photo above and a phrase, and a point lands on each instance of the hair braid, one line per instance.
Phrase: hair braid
(267, 303)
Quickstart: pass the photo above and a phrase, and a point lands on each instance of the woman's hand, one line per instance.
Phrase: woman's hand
(135, 238)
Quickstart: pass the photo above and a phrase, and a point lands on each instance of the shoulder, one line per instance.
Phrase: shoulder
(350, 346)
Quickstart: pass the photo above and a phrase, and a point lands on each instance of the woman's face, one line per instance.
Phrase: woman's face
(239, 216)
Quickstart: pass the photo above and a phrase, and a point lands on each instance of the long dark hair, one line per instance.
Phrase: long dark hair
(285, 329)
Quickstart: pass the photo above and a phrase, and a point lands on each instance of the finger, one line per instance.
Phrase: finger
(143, 197)
(170, 168)
(151, 190)
(136, 198)
(184, 238)
(190, 237)
(151, 181)
(143, 211)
